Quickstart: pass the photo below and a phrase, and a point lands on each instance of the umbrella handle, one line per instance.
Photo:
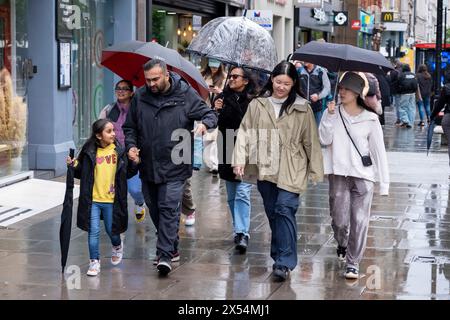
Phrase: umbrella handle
(71, 153)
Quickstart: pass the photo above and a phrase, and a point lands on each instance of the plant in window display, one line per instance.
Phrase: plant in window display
(13, 117)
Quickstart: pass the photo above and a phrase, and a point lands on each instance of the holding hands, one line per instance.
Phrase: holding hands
(133, 155)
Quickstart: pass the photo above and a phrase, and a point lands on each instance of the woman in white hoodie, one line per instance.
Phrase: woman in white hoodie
(354, 158)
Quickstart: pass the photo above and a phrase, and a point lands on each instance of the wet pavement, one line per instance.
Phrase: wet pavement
(407, 255)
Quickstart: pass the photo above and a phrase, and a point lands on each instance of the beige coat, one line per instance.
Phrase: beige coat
(285, 151)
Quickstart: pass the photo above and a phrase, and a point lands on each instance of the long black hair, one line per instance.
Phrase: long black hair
(251, 89)
(96, 128)
(284, 68)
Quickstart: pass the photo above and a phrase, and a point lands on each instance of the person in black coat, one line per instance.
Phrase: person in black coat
(102, 167)
(385, 93)
(158, 133)
(443, 103)
(232, 105)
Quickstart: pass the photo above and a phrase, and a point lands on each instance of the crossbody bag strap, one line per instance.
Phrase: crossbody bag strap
(348, 133)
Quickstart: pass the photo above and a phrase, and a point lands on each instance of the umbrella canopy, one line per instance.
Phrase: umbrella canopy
(430, 135)
(342, 57)
(237, 41)
(127, 59)
(66, 215)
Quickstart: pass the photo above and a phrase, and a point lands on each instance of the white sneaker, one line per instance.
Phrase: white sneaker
(94, 268)
(190, 219)
(117, 254)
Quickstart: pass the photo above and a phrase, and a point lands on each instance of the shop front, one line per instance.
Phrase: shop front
(15, 71)
(313, 23)
(176, 23)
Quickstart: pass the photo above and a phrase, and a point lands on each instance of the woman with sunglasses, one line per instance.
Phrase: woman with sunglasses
(117, 113)
(232, 105)
(278, 139)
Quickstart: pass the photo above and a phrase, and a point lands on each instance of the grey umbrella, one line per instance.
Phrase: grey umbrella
(342, 57)
(236, 41)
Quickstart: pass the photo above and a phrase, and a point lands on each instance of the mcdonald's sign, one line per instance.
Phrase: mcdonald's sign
(387, 16)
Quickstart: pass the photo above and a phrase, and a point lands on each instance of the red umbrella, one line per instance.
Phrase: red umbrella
(127, 59)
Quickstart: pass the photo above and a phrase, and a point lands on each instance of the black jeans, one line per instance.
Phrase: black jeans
(165, 208)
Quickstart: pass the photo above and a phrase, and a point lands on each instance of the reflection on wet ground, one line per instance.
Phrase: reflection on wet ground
(407, 256)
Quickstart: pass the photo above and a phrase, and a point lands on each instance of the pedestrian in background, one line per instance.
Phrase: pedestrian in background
(314, 82)
(102, 167)
(282, 115)
(231, 106)
(444, 103)
(354, 158)
(425, 81)
(117, 113)
(165, 105)
(407, 90)
(215, 76)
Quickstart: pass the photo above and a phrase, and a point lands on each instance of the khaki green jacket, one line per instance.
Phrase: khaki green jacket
(285, 151)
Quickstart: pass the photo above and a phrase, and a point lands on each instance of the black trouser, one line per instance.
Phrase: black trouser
(165, 207)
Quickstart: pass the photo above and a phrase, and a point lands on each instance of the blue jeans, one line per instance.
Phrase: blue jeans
(425, 104)
(281, 206)
(239, 202)
(106, 210)
(318, 117)
(135, 189)
(408, 108)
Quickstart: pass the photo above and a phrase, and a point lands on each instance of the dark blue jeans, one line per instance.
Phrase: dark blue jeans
(281, 207)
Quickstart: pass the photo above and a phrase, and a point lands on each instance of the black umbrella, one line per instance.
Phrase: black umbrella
(430, 135)
(342, 57)
(66, 215)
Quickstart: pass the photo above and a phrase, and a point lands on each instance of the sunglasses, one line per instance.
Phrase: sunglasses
(235, 76)
(123, 89)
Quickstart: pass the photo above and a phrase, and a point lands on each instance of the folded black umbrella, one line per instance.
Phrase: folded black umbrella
(66, 215)
(430, 132)
(342, 57)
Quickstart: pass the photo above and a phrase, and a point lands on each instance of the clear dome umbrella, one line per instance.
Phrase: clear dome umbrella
(237, 41)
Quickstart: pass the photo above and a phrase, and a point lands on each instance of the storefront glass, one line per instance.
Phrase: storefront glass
(92, 84)
(14, 76)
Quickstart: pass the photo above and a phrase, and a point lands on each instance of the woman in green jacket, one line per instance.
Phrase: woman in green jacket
(278, 142)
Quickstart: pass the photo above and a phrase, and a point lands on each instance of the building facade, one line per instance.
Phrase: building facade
(53, 85)
(282, 29)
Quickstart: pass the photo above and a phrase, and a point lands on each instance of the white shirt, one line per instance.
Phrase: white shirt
(340, 156)
(277, 103)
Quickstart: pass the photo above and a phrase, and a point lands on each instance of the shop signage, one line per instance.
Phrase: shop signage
(196, 23)
(356, 24)
(340, 18)
(387, 16)
(68, 18)
(262, 17)
(367, 21)
(320, 15)
(310, 3)
(280, 2)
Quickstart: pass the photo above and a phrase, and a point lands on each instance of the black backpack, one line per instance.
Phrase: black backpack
(407, 83)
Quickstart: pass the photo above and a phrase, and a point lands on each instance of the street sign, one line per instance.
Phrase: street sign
(340, 18)
(387, 16)
(356, 24)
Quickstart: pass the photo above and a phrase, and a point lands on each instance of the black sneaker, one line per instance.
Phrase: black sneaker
(215, 173)
(341, 252)
(351, 273)
(237, 238)
(280, 274)
(175, 258)
(164, 266)
(398, 123)
(243, 244)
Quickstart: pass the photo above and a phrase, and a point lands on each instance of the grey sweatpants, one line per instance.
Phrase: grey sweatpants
(350, 202)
